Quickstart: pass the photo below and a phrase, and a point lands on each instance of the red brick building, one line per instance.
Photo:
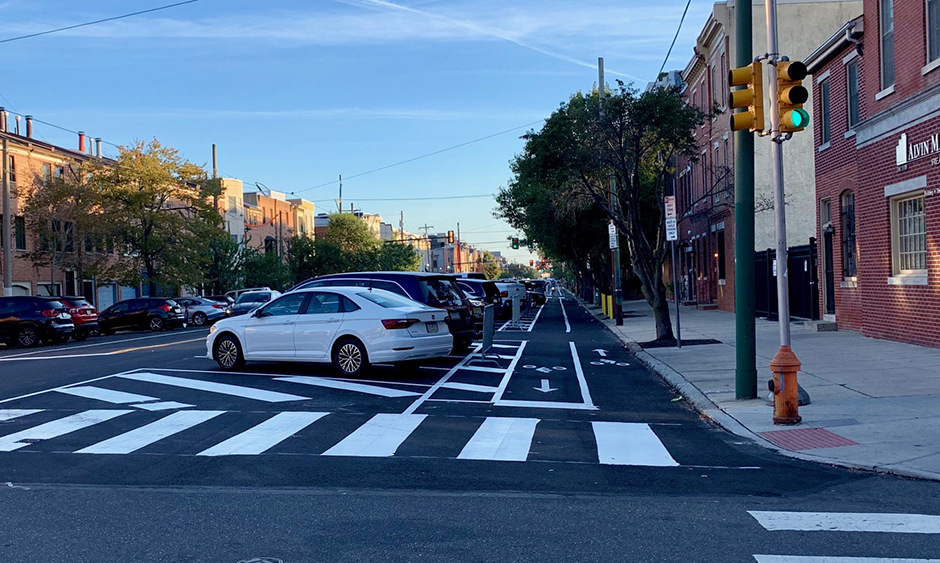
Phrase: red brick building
(876, 88)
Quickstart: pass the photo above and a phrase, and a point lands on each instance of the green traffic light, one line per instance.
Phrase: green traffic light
(800, 117)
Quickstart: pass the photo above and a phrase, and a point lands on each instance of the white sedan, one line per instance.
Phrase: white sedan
(349, 327)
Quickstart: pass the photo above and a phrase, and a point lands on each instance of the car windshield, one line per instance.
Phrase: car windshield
(259, 297)
(386, 300)
(441, 291)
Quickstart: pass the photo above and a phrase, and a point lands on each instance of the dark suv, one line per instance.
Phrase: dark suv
(434, 290)
(26, 320)
(484, 290)
(154, 313)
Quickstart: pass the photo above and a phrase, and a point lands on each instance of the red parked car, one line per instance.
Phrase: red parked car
(84, 316)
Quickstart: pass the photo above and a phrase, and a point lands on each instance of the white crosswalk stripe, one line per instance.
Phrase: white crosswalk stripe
(266, 435)
(495, 439)
(842, 522)
(502, 439)
(56, 428)
(221, 388)
(153, 432)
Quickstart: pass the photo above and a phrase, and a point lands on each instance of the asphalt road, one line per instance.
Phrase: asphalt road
(555, 446)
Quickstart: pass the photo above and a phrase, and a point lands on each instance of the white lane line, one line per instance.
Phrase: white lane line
(483, 368)
(106, 343)
(97, 354)
(848, 522)
(427, 394)
(827, 559)
(379, 437)
(162, 406)
(10, 414)
(582, 383)
(470, 387)
(561, 300)
(278, 375)
(544, 405)
(57, 428)
(508, 374)
(106, 395)
(150, 433)
(630, 443)
(347, 386)
(221, 388)
(535, 320)
(264, 436)
(505, 346)
(501, 439)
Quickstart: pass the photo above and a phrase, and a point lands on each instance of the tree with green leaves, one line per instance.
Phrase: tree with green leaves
(265, 269)
(630, 138)
(491, 268)
(163, 209)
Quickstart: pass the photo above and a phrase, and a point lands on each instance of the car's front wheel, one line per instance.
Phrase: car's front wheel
(27, 336)
(155, 324)
(199, 319)
(350, 358)
(228, 353)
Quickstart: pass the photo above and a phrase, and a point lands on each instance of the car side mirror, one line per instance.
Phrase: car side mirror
(257, 314)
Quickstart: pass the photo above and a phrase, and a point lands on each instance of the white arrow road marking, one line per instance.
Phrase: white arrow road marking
(545, 388)
(603, 353)
(848, 522)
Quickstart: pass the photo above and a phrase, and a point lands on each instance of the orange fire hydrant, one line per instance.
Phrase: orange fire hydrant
(785, 366)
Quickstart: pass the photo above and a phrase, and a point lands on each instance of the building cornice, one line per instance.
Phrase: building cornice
(849, 33)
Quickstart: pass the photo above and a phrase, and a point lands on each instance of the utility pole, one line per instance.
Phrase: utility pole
(785, 364)
(401, 226)
(339, 202)
(7, 222)
(744, 303)
(613, 203)
(427, 248)
(459, 269)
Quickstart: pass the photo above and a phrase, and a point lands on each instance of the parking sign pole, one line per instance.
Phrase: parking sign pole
(672, 234)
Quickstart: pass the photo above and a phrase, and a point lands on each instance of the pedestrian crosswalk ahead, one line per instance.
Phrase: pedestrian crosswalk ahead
(848, 522)
(216, 433)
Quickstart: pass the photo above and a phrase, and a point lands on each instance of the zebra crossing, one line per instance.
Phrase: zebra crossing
(127, 431)
(925, 525)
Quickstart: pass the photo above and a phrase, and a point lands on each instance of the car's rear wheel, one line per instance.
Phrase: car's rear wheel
(350, 358)
(228, 352)
(155, 324)
(27, 336)
(81, 336)
(199, 319)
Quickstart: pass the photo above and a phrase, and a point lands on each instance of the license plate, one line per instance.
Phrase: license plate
(455, 315)
(432, 327)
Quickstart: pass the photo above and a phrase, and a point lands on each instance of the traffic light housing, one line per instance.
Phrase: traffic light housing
(751, 98)
(450, 237)
(515, 243)
(792, 95)
(531, 263)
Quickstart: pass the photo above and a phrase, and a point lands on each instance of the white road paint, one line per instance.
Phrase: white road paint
(150, 433)
(211, 387)
(848, 522)
(470, 387)
(18, 358)
(162, 406)
(536, 319)
(501, 439)
(508, 374)
(56, 428)
(561, 300)
(544, 405)
(106, 395)
(827, 559)
(264, 436)
(505, 346)
(348, 386)
(582, 383)
(462, 364)
(379, 437)
(630, 443)
(10, 414)
(105, 343)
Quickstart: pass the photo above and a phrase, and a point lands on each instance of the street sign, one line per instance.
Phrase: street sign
(670, 201)
(612, 231)
(672, 231)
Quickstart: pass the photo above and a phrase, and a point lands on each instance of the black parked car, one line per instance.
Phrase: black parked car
(483, 290)
(433, 290)
(536, 291)
(26, 320)
(154, 313)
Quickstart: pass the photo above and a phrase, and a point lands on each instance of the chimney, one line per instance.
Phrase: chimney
(81, 141)
(17, 125)
(29, 127)
(98, 146)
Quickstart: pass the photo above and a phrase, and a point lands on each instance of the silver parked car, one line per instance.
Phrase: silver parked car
(199, 312)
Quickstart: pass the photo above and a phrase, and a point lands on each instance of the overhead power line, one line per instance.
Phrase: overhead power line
(673, 44)
(66, 28)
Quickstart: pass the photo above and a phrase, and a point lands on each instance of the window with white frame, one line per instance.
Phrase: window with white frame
(887, 43)
(851, 76)
(825, 122)
(909, 234)
(933, 30)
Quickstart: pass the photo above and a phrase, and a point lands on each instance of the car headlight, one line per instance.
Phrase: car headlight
(212, 329)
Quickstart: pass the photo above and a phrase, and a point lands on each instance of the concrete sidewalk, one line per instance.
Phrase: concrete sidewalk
(875, 403)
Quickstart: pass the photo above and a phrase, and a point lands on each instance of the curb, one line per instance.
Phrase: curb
(706, 407)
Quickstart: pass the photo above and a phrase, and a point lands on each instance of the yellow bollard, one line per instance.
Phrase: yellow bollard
(610, 306)
(603, 304)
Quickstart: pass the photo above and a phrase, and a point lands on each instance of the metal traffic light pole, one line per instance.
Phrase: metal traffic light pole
(785, 364)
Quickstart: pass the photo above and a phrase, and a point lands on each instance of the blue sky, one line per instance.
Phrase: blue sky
(295, 93)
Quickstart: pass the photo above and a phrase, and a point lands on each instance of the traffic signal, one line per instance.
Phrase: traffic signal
(515, 243)
(450, 237)
(792, 95)
(531, 263)
(752, 97)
